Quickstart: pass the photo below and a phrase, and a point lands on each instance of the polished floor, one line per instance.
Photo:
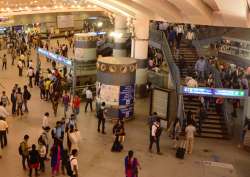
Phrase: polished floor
(96, 159)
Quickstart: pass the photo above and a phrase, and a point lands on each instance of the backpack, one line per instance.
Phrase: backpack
(28, 95)
(158, 132)
(20, 150)
(68, 166)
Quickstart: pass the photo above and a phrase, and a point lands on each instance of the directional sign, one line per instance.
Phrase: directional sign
(215, 92)
(58, 58)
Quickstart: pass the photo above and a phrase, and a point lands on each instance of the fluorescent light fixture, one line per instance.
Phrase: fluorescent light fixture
(99, 24)
(116, 34)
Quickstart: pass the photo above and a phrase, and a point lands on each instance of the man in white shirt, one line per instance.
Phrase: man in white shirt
(3, 112)
(74, 163)
(3, 132)
(155, 136)
(89, 99)
(190, 130)
(45, 120)
(31, 74)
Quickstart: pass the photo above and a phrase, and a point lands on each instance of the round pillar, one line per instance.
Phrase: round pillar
(85, 47)
(139, 51)
(116, 85)
(120, 48)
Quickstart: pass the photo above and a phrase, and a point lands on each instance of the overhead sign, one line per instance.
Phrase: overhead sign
(215, 92)
(55, 57)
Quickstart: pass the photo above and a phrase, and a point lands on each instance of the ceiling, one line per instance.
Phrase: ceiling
(207, 12)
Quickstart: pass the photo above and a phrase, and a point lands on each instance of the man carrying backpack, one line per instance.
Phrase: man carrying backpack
(101, 115)
(26, 97)
(24, 151)
(155, 136)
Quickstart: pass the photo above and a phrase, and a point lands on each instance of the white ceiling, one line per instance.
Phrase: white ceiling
(207, 12)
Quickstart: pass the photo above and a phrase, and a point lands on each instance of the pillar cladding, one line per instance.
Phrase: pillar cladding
(120, 48)
(139, 50)
(116, 80)
(85, 47)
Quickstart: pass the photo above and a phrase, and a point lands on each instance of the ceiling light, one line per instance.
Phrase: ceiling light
(44, 7)
(7, 8)
(56, 7)
(78, 6)
(20, 8)
(61, 7)
(88, 6)
(38, 7)
(94, 6)
(73, 6)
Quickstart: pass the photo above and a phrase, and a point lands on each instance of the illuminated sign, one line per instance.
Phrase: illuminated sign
(215, 92)
(55, 57)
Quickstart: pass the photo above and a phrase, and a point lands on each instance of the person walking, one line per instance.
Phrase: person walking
(24, 151)
(66, 102)
(202, 116)
(4, 66)
(131, 165)
(200, 68)
(20, 67)
(26, 98)
(31, 74)
(56, 154)
(13, 101)
(5, 99)
(190, 130)
(55, 101)
(74, 163)
(33, 160)
(57, 133)
(19, 101)
(101, 115)
(76, 105)
(3, 132)
(89, 99)
(3, 112)
(42, 154)
(45, 123)
(155, 136)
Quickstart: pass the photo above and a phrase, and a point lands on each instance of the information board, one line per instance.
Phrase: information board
(65, 21)
(159, 102)
(110, 94)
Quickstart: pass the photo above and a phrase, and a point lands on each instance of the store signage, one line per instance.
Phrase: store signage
(126, 112)
(55, 57)
(215, 92)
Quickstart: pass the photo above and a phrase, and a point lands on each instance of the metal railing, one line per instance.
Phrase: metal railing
(159, 40)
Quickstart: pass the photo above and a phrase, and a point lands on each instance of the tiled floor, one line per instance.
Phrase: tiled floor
(96, 159)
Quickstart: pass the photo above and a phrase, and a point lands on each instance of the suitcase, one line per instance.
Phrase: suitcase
(181, 150)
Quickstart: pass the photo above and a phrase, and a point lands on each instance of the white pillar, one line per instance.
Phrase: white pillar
(139, 49)
(120, 49)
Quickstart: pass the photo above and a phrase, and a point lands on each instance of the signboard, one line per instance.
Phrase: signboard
(215, 92)
(159, 102)
(127, 94)
(65, 21)
(126, 111)
(55, 57)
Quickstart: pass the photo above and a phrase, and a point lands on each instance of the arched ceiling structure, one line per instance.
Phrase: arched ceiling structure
(205, 12)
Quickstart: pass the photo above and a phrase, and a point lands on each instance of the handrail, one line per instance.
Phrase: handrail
(159, 38)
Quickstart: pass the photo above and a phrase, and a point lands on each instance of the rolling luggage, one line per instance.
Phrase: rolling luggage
(181, 150)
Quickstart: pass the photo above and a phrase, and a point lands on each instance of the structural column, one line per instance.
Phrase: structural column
(120, 48)
(139, 50)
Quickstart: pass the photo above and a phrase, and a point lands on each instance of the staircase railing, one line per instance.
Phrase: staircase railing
(159, 40)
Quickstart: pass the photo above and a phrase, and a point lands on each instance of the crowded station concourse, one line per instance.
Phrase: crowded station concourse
(124, 88)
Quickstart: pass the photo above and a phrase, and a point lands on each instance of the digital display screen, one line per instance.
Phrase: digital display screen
(215, 92)
(55, 57)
